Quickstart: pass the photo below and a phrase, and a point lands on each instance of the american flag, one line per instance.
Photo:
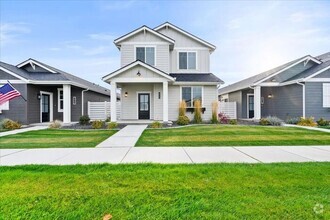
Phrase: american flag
(7, 92)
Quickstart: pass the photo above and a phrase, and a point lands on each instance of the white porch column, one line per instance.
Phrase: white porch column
(257, 102)
(66, 103)
(165, 101)
(113, 105)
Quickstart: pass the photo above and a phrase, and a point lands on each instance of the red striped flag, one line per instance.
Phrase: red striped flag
(7, 92)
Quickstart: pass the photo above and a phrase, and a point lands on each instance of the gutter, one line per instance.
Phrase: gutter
(82, 101)
(304, 97)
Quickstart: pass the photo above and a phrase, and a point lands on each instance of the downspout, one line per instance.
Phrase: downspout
(303, 87)
(82, 101)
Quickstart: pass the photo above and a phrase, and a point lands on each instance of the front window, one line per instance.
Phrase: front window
(190, 94)
(146, 54)
(60, 100)
(187, 60)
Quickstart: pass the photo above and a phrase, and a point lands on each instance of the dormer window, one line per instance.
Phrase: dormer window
(187, 60)
(146, 54)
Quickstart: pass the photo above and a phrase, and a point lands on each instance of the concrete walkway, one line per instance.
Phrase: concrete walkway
(166, 155)
(126, 137)
(17, 131)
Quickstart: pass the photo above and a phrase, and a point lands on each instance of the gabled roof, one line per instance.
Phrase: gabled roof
(196, 77)
(257, 79)
(324, 57)
(211, 46)
(133, 64)
(138, 30)
(311, 71)
(54, 76)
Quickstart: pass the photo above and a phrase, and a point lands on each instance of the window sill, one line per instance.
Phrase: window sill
(192, 109)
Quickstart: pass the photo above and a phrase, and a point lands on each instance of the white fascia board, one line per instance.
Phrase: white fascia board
(143, 28)
(187, 34)
(111, 75)
(318, 80)
(286, 68)
(139, 80)
(317, 73)
(35, 63)
(13, 81)
(13, 74)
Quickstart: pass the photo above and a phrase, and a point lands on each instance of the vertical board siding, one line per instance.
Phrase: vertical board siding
(314, 101)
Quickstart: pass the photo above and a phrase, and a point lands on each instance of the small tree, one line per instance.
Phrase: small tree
(197, 111)
(182, 108)
(214, 119)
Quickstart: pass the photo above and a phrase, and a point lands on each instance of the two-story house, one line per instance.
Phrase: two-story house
(159, 68)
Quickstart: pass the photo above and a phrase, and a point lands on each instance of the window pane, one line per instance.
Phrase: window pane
(140, 53)
(192, 60)
(186, 95)
(182, 61)
(150, 56)
(61, 105)
(197, 93)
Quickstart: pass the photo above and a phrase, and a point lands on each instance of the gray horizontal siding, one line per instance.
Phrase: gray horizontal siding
(314, 101)
(236, 97)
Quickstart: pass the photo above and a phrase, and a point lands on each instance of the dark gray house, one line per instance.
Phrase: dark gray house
(300, 88)
(50, 93)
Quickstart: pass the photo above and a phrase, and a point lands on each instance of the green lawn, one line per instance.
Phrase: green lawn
(214, 191)
(231, 135)
(55, 138)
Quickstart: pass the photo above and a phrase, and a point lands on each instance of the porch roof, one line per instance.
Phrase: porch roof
(196, 77)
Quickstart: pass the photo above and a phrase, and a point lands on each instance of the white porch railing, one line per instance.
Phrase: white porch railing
(101, 110)
(229, 109)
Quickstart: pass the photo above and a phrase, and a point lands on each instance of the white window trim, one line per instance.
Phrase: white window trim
(192, 95)
(59, 100)
(326, 88)
(186, 51)
(151, 117)
(145, 52)
(50, 105)
(247, 104)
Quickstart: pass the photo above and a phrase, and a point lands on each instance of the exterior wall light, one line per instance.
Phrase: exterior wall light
(138, 73)
(270, 96)
(38, 96)
(126, 94)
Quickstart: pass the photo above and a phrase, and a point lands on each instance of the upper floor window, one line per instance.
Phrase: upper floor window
(187, 60)
(146, 54)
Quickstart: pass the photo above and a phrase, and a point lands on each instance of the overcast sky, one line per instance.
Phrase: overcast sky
(77, 36)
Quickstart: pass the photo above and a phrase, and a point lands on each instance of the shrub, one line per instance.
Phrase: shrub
(264, 122)
(84, 120)
(233, 121)
(293, 121)
(183, 120)
(271, 120)
(322, 122)
(197, 112)
(223, 118)
(307, 122)
(108, 119)
(10, 124)
(112, 125)
(2, 123)
(156, 124)
(214, 119)
(55, 124)
(97, 124)
(182, 108)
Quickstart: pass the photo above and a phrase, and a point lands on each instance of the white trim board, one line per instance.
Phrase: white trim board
(143, 28)
(185, 33)
(30, 61)
(248, 104)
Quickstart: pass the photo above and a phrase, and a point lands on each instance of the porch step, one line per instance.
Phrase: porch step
(126, 137)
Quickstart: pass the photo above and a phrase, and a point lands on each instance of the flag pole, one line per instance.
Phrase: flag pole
(17, 90)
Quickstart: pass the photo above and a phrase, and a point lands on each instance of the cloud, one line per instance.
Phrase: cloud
(11, 32)
(102, 36)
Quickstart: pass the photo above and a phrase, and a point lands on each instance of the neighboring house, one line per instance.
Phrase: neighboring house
(50, 93)
(300, 88)
(159, 68)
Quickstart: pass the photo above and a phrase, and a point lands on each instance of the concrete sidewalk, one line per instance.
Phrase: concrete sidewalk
(165, 155)
(17, 131)
(126, 137)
